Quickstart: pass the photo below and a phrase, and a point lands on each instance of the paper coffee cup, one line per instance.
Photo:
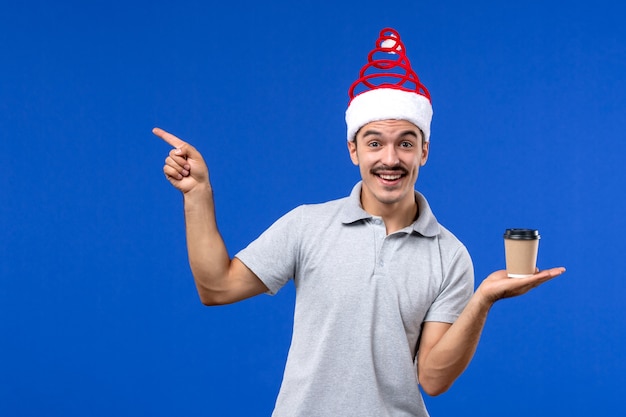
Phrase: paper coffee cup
(520, 248)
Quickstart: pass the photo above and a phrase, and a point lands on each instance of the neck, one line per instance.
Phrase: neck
(396, 216)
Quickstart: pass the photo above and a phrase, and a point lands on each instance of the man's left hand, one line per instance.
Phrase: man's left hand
(498, 285)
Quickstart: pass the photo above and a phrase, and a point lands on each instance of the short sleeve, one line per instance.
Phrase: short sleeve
(456, 290)
(273, 255)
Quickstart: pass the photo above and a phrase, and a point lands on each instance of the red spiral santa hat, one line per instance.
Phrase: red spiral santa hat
(388, 88)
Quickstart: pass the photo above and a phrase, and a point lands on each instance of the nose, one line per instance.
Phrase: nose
(390, 156)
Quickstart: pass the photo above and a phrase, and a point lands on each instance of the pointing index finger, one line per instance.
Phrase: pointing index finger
(168, 137)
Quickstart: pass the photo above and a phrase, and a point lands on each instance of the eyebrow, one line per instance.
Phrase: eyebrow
(377, 133)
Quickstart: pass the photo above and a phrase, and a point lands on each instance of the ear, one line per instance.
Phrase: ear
(425, 150)
(352, 150)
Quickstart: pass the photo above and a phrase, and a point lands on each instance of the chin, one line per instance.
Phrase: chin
(388, 198)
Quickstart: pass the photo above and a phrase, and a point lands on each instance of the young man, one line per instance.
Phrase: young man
(384, 294)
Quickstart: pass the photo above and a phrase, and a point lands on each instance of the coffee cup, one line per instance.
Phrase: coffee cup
(520, 248)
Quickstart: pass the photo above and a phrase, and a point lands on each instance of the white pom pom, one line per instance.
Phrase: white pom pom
(391, 44)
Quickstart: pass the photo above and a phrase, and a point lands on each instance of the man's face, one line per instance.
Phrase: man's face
(389, 154)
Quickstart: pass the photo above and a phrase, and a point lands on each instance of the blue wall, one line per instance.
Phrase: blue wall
(98, 311)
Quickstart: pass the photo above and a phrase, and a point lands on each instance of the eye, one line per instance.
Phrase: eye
(406, 144)
(373, 144)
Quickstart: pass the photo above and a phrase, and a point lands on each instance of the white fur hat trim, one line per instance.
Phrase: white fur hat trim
(389, 104)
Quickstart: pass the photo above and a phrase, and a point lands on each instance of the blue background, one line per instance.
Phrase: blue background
(98, 310)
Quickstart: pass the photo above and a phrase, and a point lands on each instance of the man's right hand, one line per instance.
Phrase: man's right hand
(184, 167)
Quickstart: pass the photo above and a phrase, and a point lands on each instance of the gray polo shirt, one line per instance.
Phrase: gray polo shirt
(361, 299)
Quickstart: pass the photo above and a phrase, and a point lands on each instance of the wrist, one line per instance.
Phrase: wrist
(199, 191)
(198, 196)
(483, 300)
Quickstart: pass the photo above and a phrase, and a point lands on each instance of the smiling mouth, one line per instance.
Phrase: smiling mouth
(390, 177)
(387, 173)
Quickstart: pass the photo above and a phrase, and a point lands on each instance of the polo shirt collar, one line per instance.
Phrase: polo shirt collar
(426, 223)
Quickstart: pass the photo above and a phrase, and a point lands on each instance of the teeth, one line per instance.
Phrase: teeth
(390, 177)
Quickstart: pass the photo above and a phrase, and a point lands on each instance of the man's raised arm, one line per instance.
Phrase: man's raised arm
(219, 279)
